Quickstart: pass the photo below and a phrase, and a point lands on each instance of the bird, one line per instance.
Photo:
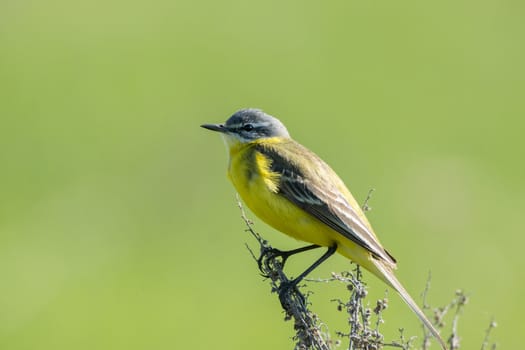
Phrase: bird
(296, 192)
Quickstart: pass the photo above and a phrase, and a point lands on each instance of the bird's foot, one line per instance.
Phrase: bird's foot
(267, 258)
(288, 291)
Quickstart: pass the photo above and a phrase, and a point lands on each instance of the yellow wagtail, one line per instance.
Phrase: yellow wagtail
(296, 192)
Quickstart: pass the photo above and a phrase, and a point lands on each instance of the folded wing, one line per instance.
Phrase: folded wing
(316, 188)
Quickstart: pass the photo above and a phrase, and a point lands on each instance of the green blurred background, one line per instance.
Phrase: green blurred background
(118, 227)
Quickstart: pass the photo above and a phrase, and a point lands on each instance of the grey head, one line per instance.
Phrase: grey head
(250, 124)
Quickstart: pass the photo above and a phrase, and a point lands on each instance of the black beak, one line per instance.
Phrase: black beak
(214, 127)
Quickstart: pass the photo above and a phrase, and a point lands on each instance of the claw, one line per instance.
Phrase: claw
(270, 254)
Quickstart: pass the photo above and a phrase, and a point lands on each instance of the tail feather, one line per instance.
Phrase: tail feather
(386, 274)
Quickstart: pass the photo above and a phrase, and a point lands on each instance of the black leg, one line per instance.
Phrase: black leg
(285, 287)
(283, 254)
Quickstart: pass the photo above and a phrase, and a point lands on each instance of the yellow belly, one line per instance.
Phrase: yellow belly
(284, 216)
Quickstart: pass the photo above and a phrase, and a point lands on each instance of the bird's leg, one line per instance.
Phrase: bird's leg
(274, 253)
(285, 287)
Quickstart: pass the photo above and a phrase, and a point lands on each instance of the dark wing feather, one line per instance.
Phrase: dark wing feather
(311, 187)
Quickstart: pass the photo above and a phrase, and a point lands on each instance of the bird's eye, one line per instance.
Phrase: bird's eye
(247, 127)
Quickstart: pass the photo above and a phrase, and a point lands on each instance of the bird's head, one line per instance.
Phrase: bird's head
(248, 125)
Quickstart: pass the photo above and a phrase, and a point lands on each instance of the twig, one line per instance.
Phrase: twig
(485, 343)
(365, 206)
(426, 334)
(361, 335)
(460, 301)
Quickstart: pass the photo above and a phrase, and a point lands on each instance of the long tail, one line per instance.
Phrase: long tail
(386, 274)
